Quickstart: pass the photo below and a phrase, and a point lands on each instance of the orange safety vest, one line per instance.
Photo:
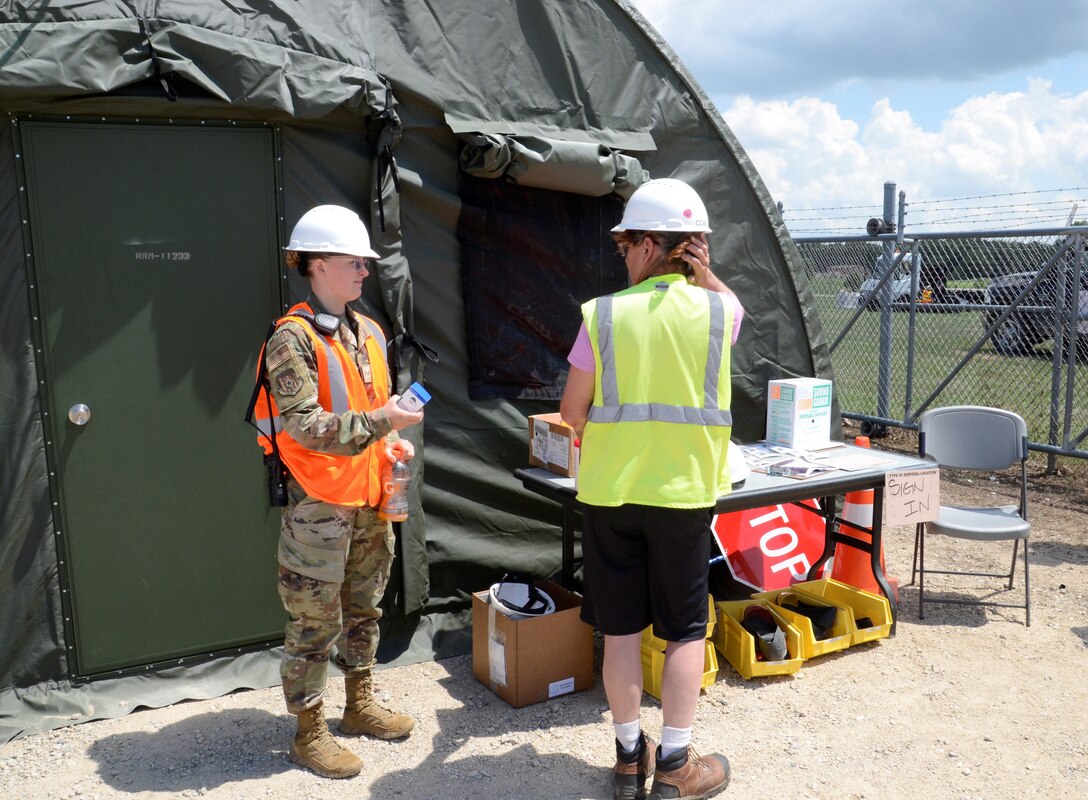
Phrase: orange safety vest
(341, 480)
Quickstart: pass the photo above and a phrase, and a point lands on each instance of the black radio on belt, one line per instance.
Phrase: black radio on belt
(277, 480)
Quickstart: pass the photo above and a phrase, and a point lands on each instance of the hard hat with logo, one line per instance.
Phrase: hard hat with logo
(518, 598)
(331, 229)
(664, 204)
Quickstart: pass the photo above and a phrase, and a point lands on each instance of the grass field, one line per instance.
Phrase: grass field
(1032, 385)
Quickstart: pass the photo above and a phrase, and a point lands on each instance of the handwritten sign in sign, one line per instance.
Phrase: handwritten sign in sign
(912, 496)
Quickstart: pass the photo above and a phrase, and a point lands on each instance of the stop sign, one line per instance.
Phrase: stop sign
(772, 547)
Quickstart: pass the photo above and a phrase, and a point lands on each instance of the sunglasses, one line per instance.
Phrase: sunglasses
(623, 247)
(359, 263)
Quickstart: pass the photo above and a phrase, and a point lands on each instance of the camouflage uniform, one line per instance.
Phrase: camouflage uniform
(334, 560)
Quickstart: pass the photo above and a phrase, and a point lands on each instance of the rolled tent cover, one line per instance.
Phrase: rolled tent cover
(577, 167)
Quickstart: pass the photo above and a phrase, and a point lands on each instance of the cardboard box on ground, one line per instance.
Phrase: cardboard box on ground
(525, 661)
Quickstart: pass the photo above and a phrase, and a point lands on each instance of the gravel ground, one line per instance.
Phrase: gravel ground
(967, 704)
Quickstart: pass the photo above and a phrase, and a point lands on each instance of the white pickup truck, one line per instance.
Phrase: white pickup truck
(900, 282)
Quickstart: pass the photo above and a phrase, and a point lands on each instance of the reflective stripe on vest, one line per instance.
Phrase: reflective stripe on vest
(338, 388)
(661, 354)
(612, 410)
(339, 479)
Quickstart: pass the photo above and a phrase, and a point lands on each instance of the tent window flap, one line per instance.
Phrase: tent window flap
(530, 258)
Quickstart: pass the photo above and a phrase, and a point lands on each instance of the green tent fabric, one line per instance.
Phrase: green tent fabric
(391, 108)
(578, 167)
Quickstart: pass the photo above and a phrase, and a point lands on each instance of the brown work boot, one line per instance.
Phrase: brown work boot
(633, 769)
(685, 775)
(364, 714)
(316, 749)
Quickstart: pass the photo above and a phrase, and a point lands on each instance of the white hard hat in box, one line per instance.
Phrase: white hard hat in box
(519, 599)
(331, 229)
(664, 204)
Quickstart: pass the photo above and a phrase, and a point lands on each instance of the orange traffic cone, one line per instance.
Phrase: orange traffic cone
(852, 566)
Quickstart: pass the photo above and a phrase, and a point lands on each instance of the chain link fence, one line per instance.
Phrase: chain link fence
(994, 318)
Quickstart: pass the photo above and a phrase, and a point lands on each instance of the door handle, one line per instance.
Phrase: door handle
(79, 414)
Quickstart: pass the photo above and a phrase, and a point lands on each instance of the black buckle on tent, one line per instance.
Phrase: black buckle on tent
(156, 68)
(399, 347)
(387, 163)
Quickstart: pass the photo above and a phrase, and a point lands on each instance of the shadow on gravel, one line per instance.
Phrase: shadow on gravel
(1051, 554)
(520, 772)
(480, 750)
(960, 616)
(204, 751)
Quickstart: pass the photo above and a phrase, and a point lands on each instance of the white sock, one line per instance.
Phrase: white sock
(674, 739)
(627, 734)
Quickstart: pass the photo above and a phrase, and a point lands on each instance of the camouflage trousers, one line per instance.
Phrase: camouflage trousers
(334, 567)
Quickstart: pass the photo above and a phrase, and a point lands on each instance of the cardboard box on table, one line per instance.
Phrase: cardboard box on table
(799, 413)
(551, 444)
(525, 661)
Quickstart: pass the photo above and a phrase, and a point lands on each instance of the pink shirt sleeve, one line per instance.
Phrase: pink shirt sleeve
(738, 311)
(581, 354)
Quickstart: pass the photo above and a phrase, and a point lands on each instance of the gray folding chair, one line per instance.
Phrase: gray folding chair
(984, 440)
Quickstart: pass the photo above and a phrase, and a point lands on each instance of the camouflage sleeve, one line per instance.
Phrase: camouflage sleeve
(292, 376)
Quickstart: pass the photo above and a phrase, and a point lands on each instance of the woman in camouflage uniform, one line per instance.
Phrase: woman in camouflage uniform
(330, 402)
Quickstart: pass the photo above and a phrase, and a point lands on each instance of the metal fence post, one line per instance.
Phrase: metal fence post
(884, 380)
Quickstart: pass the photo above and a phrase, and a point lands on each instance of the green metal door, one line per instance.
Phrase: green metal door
(154, 269)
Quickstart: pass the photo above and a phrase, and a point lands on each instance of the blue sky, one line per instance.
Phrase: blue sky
(980, 101)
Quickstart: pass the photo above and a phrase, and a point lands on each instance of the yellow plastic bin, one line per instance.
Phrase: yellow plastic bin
(649, 640)
(739, 647)
(865, 606)
(842, 632)
(653, 663)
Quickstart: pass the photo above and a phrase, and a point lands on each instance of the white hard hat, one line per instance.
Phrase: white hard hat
(331, 229)
(664, 204)
(738, 468)
(520, 599)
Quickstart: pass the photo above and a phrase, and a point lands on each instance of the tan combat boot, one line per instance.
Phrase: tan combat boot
(685, 775)
(364, 714)
(316, 749)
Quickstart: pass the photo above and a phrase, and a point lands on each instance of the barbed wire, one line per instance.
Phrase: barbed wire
(1003, 194)
(1011, 209)
(931, 213)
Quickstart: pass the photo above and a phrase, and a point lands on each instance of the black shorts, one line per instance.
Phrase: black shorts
(643, 565)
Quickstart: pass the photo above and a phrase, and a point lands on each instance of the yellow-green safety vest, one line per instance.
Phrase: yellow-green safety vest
(658, 430)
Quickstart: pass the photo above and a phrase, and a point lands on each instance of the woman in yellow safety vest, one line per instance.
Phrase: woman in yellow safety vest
(329, 408)
(648, 393)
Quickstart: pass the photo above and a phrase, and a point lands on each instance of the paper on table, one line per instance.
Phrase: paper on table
(783, 461)
(852, 461)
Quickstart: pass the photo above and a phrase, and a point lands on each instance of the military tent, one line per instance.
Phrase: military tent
(153, 157)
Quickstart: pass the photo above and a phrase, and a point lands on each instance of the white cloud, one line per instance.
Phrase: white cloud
(810, 157)
(934, 95)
